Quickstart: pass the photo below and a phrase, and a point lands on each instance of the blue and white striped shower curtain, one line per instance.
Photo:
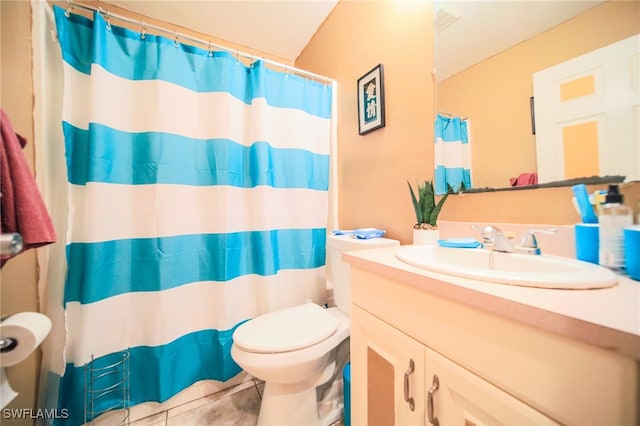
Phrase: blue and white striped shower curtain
(197, 200)
(452, 154)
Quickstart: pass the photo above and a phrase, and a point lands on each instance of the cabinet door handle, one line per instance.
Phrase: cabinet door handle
(434, 387)
(407, 373)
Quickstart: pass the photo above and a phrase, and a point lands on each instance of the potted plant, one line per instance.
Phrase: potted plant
(425, 231)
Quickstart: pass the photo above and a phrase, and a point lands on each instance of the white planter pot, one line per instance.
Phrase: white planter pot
(426, 236)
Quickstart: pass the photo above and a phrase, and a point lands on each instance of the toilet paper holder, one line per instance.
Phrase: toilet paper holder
(10, 244)
(20, 335)
(8, 344)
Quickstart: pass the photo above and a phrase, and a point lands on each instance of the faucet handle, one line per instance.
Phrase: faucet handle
(529, 243)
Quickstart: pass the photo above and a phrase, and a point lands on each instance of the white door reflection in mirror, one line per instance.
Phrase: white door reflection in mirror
(587, 115)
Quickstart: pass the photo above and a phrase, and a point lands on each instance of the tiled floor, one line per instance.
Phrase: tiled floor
(236, 406)
(239, 405)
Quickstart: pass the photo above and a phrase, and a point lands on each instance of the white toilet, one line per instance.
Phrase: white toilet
(291, 349)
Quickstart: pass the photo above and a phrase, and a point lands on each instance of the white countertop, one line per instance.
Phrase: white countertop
(608, 318)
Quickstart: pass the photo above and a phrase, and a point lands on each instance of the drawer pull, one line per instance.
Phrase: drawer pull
(434, 387)
(407, 373)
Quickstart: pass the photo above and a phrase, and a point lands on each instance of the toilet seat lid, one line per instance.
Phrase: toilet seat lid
(286, 330)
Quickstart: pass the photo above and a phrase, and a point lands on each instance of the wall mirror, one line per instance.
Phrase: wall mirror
(485, 56)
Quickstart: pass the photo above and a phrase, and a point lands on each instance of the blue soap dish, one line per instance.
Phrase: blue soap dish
(460, 243)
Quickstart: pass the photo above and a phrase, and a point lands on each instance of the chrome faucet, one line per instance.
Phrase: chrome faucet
(494, 239)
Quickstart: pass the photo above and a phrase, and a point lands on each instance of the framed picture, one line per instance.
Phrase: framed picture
(371, 100)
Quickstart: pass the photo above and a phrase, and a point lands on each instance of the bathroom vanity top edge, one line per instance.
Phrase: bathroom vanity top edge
(577, 314)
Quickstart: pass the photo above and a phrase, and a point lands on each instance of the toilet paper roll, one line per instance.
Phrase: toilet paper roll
(21, 334)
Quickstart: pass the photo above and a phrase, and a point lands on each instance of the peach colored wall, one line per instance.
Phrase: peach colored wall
(18, 279)
(495, 93)
(374, 168)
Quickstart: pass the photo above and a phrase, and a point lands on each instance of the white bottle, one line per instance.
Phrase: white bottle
(614, 217)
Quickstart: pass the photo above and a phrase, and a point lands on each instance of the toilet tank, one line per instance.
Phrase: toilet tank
(339, 272)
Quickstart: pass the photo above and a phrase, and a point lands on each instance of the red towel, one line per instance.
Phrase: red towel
(524, 179)
(22, 208)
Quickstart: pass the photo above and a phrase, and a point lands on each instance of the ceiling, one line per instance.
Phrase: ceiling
(468, 32)
(474, 30)
(279, 27)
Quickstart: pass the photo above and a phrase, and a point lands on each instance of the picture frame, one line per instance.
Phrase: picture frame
(371, 100)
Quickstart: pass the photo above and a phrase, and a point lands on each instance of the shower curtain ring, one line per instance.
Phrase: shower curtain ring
(210, 49)
(175, 33)
(108, 20)
(143, 34)
(67, 12)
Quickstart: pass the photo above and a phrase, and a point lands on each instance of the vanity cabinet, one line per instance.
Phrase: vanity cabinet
(490, 370)
(410, 384)
(390, 371)
(459, 397)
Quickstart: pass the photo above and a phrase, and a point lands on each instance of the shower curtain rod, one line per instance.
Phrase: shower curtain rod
(450, 115)
(178, 35)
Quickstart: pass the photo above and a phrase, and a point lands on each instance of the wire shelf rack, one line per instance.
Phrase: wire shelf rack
(106, 387)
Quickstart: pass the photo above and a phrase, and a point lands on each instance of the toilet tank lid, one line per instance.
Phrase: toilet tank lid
(286, 330)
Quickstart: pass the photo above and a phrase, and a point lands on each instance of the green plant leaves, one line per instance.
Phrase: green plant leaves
(416, 204)
(424, 205)
(427, 201)
(433, 217)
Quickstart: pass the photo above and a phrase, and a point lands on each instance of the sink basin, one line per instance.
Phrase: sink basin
(544, 271)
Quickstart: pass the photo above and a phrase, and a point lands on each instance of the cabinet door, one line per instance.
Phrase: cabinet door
(387, 373)
(462, 398)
